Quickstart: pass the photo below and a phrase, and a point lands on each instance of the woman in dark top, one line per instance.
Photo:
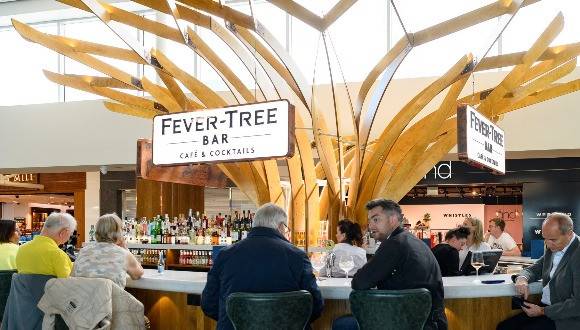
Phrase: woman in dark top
(447, 254)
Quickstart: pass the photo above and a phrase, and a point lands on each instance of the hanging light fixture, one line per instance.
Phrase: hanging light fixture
(496, 206)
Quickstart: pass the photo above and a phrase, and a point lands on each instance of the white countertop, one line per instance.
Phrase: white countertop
(523, 260)
(333, 288)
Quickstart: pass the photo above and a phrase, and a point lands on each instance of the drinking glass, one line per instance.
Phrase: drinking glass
(318, 261)
(477, 263)
(346, 263)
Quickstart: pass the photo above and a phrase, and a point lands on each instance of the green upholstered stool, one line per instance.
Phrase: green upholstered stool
(390, 309)
(5, 282)
(281, 311)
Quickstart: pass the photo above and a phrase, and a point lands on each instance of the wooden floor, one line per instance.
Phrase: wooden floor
(169, 310)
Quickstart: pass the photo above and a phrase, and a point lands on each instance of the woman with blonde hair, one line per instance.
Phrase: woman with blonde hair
(475, 242)
(108, 257)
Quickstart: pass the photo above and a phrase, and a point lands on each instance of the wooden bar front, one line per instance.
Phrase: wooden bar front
(170, 310)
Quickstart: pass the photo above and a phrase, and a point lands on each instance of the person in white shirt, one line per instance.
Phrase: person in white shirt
(475, 242)
(349, 238)
(499, 239)
(559, 308)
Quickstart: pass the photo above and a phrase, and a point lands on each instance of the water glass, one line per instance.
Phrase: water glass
(346, 263)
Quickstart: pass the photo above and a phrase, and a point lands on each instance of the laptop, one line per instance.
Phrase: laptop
(490, 259)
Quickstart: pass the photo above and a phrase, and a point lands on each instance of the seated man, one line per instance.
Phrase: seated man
(42, 256)
(263, 262)
(402, 261)
(497, 238)
(559, 271)
(447, 253)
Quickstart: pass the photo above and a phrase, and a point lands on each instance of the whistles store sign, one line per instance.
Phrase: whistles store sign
(245, 132)
(480, 141)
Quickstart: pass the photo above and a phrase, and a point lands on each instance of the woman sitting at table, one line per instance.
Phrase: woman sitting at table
(9, 237)
(108, 257)
(475, 242)
(447, 254)
(349, 238)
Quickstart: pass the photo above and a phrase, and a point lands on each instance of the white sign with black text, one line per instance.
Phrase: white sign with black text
(479, 140)
(245, 132)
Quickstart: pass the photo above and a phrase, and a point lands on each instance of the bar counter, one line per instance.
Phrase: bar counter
(171, 300)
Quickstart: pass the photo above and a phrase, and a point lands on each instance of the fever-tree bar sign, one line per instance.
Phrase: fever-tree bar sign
(479, 141)
(245, 132)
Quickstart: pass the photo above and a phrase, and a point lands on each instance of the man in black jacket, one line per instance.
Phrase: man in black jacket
(263, 262)
(401, 262)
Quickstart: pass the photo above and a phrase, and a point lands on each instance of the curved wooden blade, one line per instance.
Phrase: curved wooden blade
(98, 81)
(100, 10)
(515, 77)
(219, 10)
(160, 95)
(132, 19)
(285, 67)
(432, 155)
(101, 50)
(128, 99)
(129, 110)
(60, 47)
(405, 164)
(512, 59)
(185, 13)
(555, 90)
(205, 94)
(466, 20)
(228, 76)
(402, 119)
(399, 52)
(265, 89)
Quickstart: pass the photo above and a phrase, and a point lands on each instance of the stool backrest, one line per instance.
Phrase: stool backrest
(391, 309)
(5, 282)
(283, 310)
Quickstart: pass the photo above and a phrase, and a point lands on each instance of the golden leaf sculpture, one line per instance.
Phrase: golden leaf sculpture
(355, 168)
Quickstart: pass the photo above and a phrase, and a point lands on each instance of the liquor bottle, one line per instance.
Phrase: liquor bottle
(229, 231)
(189, 223)
(245, 231)
(207, 237)
(215, 237)
(160, 263)
(200, 236)
(92, 233)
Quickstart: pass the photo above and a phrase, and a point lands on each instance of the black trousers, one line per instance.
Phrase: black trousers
(524, 322)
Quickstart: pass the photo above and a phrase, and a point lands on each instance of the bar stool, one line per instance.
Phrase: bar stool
(5, 282)
(283, 310)
(391, 309)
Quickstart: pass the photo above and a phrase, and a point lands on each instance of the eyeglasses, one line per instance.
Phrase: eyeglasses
(286, 229)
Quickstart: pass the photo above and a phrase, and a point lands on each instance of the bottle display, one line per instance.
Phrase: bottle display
(195, 228)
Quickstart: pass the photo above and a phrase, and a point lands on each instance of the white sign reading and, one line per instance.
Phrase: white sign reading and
(480, 140)
(244, 132)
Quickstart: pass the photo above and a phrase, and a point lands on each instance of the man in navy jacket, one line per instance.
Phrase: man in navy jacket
(263, 262)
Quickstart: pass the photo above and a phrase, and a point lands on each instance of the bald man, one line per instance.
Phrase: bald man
(559, 271)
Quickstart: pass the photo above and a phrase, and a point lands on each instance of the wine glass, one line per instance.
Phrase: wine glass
(477, 263)
(346, 263)
(318, 261)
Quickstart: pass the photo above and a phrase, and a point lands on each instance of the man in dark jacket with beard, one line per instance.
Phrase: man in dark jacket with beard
(263, 262)
(401, 262)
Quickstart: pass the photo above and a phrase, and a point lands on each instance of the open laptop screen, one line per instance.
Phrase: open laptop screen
(490, 259)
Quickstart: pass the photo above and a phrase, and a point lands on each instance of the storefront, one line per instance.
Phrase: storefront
(522, 197)
(36, 195)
